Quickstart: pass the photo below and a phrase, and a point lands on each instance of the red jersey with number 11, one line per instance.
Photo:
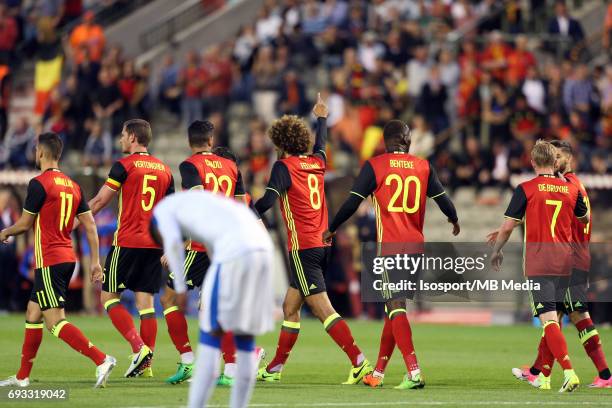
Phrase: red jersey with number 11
(142, 181)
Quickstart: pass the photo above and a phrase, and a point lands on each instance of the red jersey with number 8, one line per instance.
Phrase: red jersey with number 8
(303, 204)
(142, 181)
(399, 199)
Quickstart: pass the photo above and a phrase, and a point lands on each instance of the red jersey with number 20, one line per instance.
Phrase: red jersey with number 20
(142, 181)
(399, 199)
(56, 200)
(303, 204)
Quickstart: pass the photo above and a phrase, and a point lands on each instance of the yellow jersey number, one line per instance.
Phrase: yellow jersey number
(402, 187)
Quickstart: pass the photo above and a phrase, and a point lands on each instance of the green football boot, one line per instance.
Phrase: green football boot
(183, 373)
(411, 383)
(357, 373)
(264, 375)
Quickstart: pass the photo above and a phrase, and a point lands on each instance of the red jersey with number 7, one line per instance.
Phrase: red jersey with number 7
(55, 199)
(548, 207)
(142, 181)
(303, 204)
(214, 173)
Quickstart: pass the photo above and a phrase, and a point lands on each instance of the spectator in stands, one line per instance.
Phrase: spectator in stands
(422, 140)
(578, 92)
(607, 29)
(418, 71)
(5, 79)
(8, 252)
(524, 121)
(99, 147)
(218, 73)
(332, 45)
(77, 109)
(292, 99)
(268, 25)
(534, 90)
(245, 46)
(396, 54)
(88, 37)
(565, 26)
(192, 81)
(495, 56)
(474, 165)
(432, 102)
(8, 35)
(169, 89)
(520, 59)
(496, 112)
(369, 51)
(266, 76)
(107, 102)
(313, 19)
(20, 143)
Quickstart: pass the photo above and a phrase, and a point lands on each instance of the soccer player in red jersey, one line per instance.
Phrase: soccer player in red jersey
(297, 178)
(209, 171)
(52, 204)
(575, 302)
(133, 262)
(399, 184)
(548, 208)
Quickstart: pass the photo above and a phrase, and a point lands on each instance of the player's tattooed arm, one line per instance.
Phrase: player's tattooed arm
(320, 111)
(581, 211)
(280, 181)
(35, 199)
(116, 178)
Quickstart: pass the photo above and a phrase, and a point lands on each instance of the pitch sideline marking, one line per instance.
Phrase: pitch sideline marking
(422, 403)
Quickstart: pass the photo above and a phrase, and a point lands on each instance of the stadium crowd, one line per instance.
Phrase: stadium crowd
(476, 104)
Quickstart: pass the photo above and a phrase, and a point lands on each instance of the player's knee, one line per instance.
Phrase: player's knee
(577, 316)
(291, 312)
(395, 305)
(33, 313)
(168, 299)
(144, 300)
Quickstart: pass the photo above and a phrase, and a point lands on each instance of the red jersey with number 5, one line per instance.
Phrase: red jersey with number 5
(581, 232)
(214, 173)
(548, 207)
(303, 204)
(399, 198)
(56, 200)
(142, 181)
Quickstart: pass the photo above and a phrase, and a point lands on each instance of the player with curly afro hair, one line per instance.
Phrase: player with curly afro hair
(290, 134)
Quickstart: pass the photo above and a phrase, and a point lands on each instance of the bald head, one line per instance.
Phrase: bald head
(397, 136)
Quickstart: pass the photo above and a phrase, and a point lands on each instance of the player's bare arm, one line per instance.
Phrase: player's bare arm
(91, 232)
(101, 200)
(320, 109)
(22, 225)
(505, 231)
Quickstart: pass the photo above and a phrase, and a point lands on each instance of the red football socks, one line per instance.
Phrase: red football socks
(403, 338)
(592, 344)
(177, 329)
(228, 348)
(387, 345)
(72, 336)
(339, 331)
(556, 343)
(31, 342)
(148, 327)
(123, 323)
(286, 340)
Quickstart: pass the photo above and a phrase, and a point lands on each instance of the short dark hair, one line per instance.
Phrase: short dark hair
(141, 129)
(564, 146)
(226, 153)
(290, 134)
(395, 131)
(200, 132)
(52, 143)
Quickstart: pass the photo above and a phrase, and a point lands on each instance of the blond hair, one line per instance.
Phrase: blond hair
(543, 154)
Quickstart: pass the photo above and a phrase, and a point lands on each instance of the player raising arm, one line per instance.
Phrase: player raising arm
(52, 203)
(297, 179)
(547, 206)
(399, 184)
(133, 262)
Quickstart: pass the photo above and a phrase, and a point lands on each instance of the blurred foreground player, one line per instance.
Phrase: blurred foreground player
(237, 290)
(548, 207)
(399, 184)
(52, 204)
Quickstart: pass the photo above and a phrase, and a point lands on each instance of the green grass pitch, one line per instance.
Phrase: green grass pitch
(463, 366)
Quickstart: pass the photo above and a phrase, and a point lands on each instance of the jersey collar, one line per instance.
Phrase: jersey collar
(547, 175)
(204, 153)
(52, 169)
(142, 153)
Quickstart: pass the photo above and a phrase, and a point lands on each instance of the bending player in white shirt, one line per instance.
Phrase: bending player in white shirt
(237, 291)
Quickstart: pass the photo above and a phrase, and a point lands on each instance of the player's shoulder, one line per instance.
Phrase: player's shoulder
(391, 158)
(304, 162)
